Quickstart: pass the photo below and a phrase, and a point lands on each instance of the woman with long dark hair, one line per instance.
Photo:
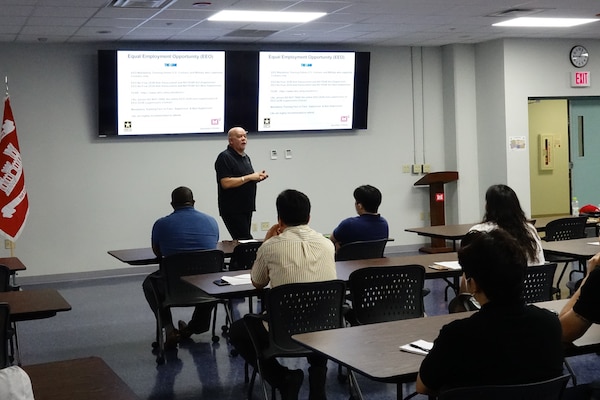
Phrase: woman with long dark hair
(502, 209)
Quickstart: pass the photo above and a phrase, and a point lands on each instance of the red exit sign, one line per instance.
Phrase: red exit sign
(580, 79)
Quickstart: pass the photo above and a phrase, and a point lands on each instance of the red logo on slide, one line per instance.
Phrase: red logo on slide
(214, 121)
(439, 197)
(344, 118)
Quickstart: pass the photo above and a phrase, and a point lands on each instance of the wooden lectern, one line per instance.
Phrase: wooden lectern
(436, 181)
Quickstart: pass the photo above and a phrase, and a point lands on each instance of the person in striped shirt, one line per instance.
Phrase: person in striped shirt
(291, 253)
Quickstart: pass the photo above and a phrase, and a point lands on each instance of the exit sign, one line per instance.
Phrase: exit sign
(580, 79)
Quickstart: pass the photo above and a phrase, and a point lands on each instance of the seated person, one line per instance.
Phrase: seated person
(503, 210)
(369, 225)
(185, 229)
(507, 341)
(582, 310)
(291, 253)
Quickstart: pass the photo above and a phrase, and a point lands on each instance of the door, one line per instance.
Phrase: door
(584, 150)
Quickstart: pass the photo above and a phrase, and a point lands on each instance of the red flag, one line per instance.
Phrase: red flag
(14, 204)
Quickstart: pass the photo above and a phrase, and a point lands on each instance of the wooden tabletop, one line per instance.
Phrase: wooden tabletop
(457, 232)
(34, 304)
(206, 283)
(79, 379)
(13, 263)
(373, 350)
(576, 248)
(146, 256)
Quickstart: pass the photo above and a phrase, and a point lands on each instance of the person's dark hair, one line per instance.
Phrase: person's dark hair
(293, 207)
(182, 197)
(502, 207)
(369, 196)
(496, 262)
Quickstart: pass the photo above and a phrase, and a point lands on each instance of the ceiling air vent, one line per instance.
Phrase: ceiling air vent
(139, 3)
(250, 33)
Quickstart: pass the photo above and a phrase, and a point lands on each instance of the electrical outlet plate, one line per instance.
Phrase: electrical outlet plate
(273, 154)
(406, 169)
(264, 226)
(288, 154)
(416, 168)
(426, 168)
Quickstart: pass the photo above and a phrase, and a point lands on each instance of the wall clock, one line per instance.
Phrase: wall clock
(578, 56)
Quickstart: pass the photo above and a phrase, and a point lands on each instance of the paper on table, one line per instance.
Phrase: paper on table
(243, 279)
(417, 347)
(247, 241)
(445, 265)
(594, 243)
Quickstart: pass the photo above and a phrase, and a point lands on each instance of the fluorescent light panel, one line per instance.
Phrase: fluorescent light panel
(265, 16)
(546, 22)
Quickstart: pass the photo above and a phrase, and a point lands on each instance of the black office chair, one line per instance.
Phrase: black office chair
(565, 229)
(551, 389)
(361, 250)
(242, 258)
(179, 293)
(5, 335)
(381, 294)
(5, 286)
(292, 309)
(539, 281)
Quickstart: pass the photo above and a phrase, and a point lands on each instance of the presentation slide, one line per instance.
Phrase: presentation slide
(305, 90)
(170, 92)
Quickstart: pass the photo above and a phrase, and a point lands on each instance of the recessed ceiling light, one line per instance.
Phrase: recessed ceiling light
(546, 22)
(265, 16)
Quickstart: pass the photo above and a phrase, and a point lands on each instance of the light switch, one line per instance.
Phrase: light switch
(288, 154)
(273, 154)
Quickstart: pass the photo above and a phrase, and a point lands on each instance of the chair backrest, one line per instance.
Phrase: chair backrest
(551, 389)
(189, 263)
(4, 328)
(303, 307)
(539, 281)
(380, 294)
(243, 256)
(4, 278)
(361, 250)
(463, 302)
(565, 229)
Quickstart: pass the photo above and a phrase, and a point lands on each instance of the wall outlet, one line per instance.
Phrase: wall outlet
(8, 244)
(288, 154)
(273, 154)
(426, 168)
(406, 169)
(416, 168)
(264, 226)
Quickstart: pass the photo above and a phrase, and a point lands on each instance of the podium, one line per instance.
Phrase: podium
(437, 197)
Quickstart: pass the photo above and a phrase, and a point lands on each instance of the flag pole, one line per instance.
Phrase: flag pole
(9, 243)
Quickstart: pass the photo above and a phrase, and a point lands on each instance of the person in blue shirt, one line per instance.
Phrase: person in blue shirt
(185, 229)
(368, 225)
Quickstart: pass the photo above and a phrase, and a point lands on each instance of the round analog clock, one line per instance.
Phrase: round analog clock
(579, 56)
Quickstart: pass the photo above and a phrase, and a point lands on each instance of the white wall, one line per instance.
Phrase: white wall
(529, 68)
(90, 195)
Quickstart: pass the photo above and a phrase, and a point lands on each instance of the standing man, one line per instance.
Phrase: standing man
(185, 229)
(236, 181)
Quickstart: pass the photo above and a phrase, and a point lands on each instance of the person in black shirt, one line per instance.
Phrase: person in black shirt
(236, 181)
(506, 342)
